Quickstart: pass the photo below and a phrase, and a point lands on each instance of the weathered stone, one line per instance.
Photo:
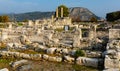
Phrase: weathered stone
(87, 61)
(9, 44)
(72, 52)
(42, 47)
(24, 40)
(45, 56)
(111, 63)
(5, 69)
(37, 56)
(68, 59)
(112, 69)
(55, 40)
(51, 50)
(76, 41)
(18, 63)
(24, 68)
(58, 50)
(58, 59)
(52, 59)
(65, 51)
(26, 56)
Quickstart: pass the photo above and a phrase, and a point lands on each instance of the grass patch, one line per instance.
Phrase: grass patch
(4, 62)
(59, 29)
(28, 51)
(71, 28)
(20, 24)
(83, 68)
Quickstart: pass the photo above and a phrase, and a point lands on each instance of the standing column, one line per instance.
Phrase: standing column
(95, 27)
(57, 13)
(61, 12)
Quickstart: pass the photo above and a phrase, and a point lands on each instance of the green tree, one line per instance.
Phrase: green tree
(113, 16)
(4, 18)
(93, 19)
(65, 11)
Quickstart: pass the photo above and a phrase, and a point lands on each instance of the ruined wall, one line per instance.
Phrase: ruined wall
(114, 33)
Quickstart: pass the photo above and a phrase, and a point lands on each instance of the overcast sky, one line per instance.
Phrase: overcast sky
(99, 7)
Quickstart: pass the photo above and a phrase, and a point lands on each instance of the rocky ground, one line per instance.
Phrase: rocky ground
(44, 66)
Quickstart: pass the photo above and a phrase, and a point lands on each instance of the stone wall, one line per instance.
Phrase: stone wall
(112, 55)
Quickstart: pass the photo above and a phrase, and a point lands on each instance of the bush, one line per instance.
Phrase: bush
(79, 53)
(20, 24)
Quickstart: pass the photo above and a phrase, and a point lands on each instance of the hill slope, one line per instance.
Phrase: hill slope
(82, 14)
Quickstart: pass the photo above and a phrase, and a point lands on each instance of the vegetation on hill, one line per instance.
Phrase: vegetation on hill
(113, 16)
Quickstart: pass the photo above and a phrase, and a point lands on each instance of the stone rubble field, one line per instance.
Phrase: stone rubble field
(81, 45)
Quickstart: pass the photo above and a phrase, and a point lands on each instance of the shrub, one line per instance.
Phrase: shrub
(79, 53)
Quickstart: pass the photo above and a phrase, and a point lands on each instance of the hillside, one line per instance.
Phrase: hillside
(81, 14)
(76, 13)
(30, 16)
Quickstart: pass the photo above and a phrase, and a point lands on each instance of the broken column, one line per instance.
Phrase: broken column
(30, 23)
(10, 26)
(36, 22)
(4, 35)
(91, 34)
(80, 33)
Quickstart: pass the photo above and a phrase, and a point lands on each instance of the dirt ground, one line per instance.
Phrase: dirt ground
(54, 66)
